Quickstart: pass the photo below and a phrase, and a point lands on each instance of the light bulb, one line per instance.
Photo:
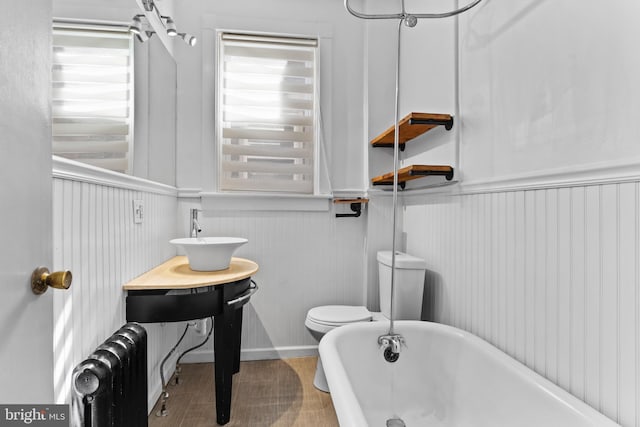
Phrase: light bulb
(188, 39)
(170, 26)
(136, 25)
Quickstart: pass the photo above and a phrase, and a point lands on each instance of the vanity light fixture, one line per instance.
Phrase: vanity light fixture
(170, 26)
(136, 25)
(147, 35)
(188, 39)
(143, 36)
(139, 28)
(167, 22)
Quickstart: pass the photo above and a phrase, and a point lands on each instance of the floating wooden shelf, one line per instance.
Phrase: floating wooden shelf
(413, 172)
(412, 126)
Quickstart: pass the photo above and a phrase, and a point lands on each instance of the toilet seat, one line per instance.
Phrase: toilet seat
(327, 317)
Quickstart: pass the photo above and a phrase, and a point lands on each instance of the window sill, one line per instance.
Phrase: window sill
(264, 202)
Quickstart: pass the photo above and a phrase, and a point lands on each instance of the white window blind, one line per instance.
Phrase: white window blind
(92, 93)
(267, 113)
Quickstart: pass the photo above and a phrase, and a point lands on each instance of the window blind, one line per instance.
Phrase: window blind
(92, 78)
(267, 113)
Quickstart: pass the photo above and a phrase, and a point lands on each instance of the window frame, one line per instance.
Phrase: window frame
(218, 105)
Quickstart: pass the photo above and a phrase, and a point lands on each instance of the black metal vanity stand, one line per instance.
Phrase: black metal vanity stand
(224, 302)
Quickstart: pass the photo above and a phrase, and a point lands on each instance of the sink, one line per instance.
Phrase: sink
(209, 253)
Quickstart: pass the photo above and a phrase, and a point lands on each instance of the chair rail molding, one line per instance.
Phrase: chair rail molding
(71, 170)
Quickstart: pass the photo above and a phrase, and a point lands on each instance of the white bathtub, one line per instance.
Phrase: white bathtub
(444, 377)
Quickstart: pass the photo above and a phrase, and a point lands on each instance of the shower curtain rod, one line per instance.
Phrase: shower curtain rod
(392, 342)
(405, 15)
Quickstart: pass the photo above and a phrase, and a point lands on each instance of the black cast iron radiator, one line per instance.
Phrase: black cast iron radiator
(109, 388)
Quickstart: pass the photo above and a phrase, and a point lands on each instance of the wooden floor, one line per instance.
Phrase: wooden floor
(265, 393)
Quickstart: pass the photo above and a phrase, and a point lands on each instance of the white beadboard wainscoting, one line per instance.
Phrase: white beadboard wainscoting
(95, 237)
(379, 238)
(551, 276)
(306, 259)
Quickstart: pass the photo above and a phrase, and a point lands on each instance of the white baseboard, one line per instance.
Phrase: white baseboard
(153, 395)
(206, 356)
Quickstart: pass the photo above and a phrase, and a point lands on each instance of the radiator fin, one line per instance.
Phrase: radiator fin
(110, 386)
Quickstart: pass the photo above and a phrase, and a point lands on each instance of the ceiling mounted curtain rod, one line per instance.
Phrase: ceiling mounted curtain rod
(409, 16)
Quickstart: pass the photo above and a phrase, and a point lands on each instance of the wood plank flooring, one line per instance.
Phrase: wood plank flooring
(265, 393)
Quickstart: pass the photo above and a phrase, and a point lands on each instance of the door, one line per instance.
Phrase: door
(26, 329)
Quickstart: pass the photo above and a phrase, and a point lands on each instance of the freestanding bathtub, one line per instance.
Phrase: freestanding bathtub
(444, 377)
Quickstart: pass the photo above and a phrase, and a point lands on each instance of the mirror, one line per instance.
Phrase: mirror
(154, 136)
(155, 112)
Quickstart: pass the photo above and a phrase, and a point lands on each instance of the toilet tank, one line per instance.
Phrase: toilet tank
(409, 285)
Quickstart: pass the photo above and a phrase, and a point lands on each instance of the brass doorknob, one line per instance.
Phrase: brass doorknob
(41, 279)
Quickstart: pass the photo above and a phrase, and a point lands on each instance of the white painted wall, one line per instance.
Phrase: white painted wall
(95, 237)
(341, 81)
(548, 86)
(546, 271)
(379, 236)
(537, 251)
(94, 233)
(427, 84)
(306, 258)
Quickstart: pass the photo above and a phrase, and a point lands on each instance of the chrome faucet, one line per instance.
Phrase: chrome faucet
(391, 344)
(195, 225)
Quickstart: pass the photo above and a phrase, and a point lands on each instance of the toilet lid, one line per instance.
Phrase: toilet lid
(339, 314)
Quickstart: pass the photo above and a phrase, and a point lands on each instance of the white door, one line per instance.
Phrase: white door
(26, 330)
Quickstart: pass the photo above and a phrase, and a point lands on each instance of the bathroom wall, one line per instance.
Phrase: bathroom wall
(537, 250)
(95, 237)
(94, 233)
(306, 257)
(341, 81)
(548, 275)
(427, 84)
(541, 96)
(379, 238)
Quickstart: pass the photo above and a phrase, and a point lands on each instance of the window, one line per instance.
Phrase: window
(267, 113)
(92, 93)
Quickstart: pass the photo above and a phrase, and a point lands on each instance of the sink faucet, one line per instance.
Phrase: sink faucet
(195, 225)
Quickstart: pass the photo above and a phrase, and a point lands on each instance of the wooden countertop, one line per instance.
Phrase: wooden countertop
(176, 274)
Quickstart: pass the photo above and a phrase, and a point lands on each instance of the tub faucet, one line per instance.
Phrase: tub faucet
(391, 344)
(195, 225)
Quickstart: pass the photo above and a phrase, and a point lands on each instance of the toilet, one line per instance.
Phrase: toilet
(409, 286)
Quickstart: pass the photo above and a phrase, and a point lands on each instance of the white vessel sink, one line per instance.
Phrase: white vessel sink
(209, 253)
